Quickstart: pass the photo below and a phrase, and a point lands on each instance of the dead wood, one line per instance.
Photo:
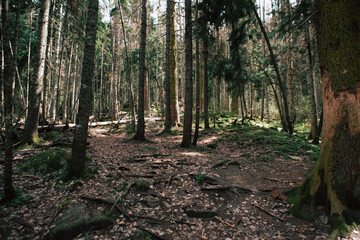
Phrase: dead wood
(267, 212)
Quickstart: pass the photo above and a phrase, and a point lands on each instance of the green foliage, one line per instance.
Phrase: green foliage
(200, 177)
(45, 162)
(19, 200)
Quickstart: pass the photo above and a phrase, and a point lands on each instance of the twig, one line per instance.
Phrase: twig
(267, 212)
(271, 179)
(224, 222)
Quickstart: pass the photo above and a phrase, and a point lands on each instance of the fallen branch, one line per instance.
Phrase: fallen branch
(224, 222)
(139, 176)
(267, 212)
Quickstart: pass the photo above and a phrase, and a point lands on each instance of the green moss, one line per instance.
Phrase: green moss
(142, 185)
(78, 219)
(45, 162)
(51, 136)
(302, 204)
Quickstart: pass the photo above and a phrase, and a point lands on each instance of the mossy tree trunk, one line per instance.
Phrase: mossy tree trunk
(335, 178)
(77, 163)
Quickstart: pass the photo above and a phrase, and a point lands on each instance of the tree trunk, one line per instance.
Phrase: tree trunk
(140, 130)
(186, 140)
(36, 86)
(197, 72)
(77, 163)
(9, 191)
(313, 118)
(274, 63)
(335, 179)
(167, 127)
(206, 82)
(128, 71)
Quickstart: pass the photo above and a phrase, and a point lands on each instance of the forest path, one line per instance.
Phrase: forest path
(233, 173)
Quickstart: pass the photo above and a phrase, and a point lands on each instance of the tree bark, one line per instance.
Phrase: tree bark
(206, 82)
(36, 86)
(77, 163)
(335, 178)
(9, 191)
(140, 130)
(186, 140)
(197, 72)
(313, 118)
(174, 104)
(167, 127)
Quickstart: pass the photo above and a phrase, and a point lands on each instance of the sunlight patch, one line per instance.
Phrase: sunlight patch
(210, 140)
(193, 154)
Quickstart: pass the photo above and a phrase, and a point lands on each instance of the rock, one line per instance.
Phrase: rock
(45, 162)
(253, 228)
(76, 219)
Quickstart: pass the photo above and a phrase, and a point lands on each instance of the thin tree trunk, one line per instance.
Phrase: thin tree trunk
(167, 126)
(140, 131)
(28, 65)
(36, 86)
(206, 82)
(274, 63)
(128, 67)
(77, 163)
(186, 140)
(174, 104)
(313, 118)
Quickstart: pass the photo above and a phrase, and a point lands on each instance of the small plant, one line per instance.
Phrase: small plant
(51, 136)
(200, 177)
(64, 203)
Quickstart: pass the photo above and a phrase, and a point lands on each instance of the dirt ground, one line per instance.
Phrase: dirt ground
(239, 193)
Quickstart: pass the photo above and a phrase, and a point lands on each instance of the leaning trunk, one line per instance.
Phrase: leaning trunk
(77, 163)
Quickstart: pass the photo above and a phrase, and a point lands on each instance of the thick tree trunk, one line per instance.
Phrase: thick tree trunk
(336, 176)
(77, 163)
(140, 130)
(186, 140)
(9, 191)
(197, 72)
(36, 86)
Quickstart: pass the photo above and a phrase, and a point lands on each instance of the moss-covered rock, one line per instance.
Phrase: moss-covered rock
(45, 162)
(51, 136)
(76, 219)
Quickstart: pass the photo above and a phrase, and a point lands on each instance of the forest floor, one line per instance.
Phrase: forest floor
(228, 187)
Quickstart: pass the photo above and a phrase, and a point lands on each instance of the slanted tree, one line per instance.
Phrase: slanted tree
(140, 130)
(186, 140)
(77, 163)
(9, 191)
(36, 85)
(335, 178)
